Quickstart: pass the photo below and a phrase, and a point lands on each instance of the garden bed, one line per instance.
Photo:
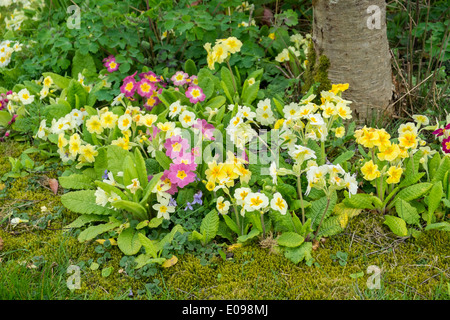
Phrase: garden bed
(231, 168)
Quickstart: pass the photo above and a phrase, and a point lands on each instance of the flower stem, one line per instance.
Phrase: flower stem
(300, 196)
(236, 214)
(232, 76)
(263, 225)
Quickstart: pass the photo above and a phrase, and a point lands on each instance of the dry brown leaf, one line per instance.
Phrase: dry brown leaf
(53, 183)
(1, 244)
(315, 245)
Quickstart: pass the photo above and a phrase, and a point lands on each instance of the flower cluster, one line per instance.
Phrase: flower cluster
(18, 99)
(148, 87)
(69, 137)
(298, 50)
(15, 20)
(385, 151)
(309, 121)
(221, 51)
(443, 134)
(7, 48)
(188, 85)
(4, 99)
(224, 174)
(329, 178)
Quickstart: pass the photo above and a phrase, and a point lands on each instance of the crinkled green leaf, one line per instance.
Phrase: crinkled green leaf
(397, 225)
(290, 239)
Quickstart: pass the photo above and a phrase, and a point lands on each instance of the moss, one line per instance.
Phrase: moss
(316, 71)
(321, 74)
(411, 268)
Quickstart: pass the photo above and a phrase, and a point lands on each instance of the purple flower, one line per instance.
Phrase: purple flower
(446, 145)
(145, 88)
(111, 64)
(105, 174)
(195, 94)
(193, 79)
(176, 146)
(439, 132)
(129, 87)
(206, 128)
(179, 78)
(188, 206)
(150, 76)
(172, 202)
(181, 174)
(198, 198)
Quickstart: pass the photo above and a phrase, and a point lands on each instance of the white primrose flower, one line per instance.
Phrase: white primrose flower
(278, 203)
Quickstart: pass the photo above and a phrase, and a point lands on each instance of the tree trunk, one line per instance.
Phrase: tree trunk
(352, 34)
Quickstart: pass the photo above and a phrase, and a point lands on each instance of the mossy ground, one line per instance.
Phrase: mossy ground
(35, 260)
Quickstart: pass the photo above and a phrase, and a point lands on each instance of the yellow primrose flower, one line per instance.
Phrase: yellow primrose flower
(368, 137)
(272, 36)
(421, 120)
(48, 81)
(339, 132)
(229, 171)
(124, 122)
(407, 127)
(166, 126)
(383, 139)
(256, 201)
(232, 44)
(134, 186)
(108, 120)
(403, 153)
(62, 141)
(278, 124)
(222, 206)
(283, 56)
(240, 194)
(148, 119)
(370, 171)
(278, 203)
(395, 174)
(408, 140)
(244, 174)
(427, 152)
(210, 185)
(94, 125)
(88, 152)
(329, 109)
(74, 144)
(336, 88)
(343, 111)
(389, 152)
(121, 142)
(220, 52)
(214, 172)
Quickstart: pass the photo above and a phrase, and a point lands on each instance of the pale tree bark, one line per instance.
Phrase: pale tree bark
(352, 34)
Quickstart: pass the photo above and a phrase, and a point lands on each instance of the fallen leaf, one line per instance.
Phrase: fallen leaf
(315, 245)
(1, 244)
(53, 183)
(112, 241)
(234, 246)
(170, 262)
